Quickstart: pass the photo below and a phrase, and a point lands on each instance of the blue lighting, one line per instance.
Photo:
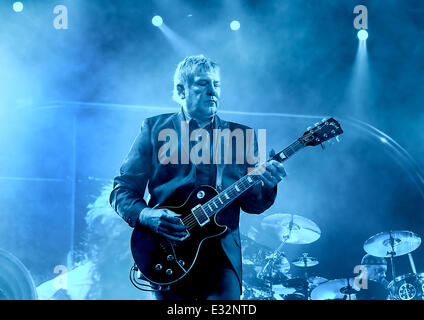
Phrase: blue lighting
(18, 6)
(362, 34)
(235, 25)
(157, 21)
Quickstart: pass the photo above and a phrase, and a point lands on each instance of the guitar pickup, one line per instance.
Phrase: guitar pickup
(200, 215)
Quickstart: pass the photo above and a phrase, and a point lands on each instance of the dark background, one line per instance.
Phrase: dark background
(71, 102)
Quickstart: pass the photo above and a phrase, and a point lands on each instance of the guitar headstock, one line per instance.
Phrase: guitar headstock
(321, 132)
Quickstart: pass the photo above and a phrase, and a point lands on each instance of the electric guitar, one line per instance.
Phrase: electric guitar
(162, 261)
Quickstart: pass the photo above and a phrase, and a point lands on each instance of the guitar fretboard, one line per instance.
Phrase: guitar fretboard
(227, 196)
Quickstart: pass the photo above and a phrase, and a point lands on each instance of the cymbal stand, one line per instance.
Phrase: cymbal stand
(308, 293)
(273, 258)
(348, 290)
(392, 255)
(411, 262)
(305, 265)
(271, 262)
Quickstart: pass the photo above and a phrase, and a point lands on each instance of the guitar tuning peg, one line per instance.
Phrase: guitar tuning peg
(308, 128)
(316, 124)
(338, 139)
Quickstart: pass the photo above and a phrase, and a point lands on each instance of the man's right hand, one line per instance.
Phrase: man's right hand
(164, 222)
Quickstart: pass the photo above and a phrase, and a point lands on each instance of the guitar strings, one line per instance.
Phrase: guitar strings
(190, 220)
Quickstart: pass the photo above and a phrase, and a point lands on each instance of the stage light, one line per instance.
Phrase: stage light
(18, 6)
(362, 34)
(157, 21)
(235, 25)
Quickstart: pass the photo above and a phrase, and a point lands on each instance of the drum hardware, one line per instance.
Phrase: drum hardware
(278, 229)
(274, 232)
(392, 254)
(407, 287)
(273, 258)
(291, 230)
(348, 290)
(305, 262)
(315, 281)
(393, 244)
(411, 262)
(338, 289)
(275, 268)
(280, 291)
(274, 272)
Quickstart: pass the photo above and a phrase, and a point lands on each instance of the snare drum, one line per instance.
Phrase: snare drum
(407, 287)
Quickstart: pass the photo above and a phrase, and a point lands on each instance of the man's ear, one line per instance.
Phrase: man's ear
(181, 91)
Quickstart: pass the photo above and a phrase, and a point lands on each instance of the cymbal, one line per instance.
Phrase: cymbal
(338, 289)
(305, 261)
(315, 281)
(380, 245)
(282, 290)
(279, 227)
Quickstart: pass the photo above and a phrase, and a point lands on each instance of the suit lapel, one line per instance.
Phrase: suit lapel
(178, 119)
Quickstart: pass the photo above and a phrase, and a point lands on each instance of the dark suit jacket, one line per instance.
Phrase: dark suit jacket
(142, 168)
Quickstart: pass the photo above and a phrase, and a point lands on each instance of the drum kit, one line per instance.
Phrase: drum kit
(394, 244)
(266, 272)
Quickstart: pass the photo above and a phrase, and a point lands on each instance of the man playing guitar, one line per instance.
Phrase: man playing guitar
(216, 274)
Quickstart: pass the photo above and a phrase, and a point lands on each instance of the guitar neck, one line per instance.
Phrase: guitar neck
(231, 193)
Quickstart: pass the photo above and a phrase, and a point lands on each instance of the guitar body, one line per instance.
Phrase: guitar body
(163, 261)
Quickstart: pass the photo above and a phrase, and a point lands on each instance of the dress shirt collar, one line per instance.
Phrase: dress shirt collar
(201, 124)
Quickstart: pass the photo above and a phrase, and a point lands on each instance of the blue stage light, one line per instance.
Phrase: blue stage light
(235, 25)
(18, 6)
(362, 34)
(157, 21)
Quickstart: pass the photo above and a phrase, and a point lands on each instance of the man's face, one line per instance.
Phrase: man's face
(202, 94)
(376, 272)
